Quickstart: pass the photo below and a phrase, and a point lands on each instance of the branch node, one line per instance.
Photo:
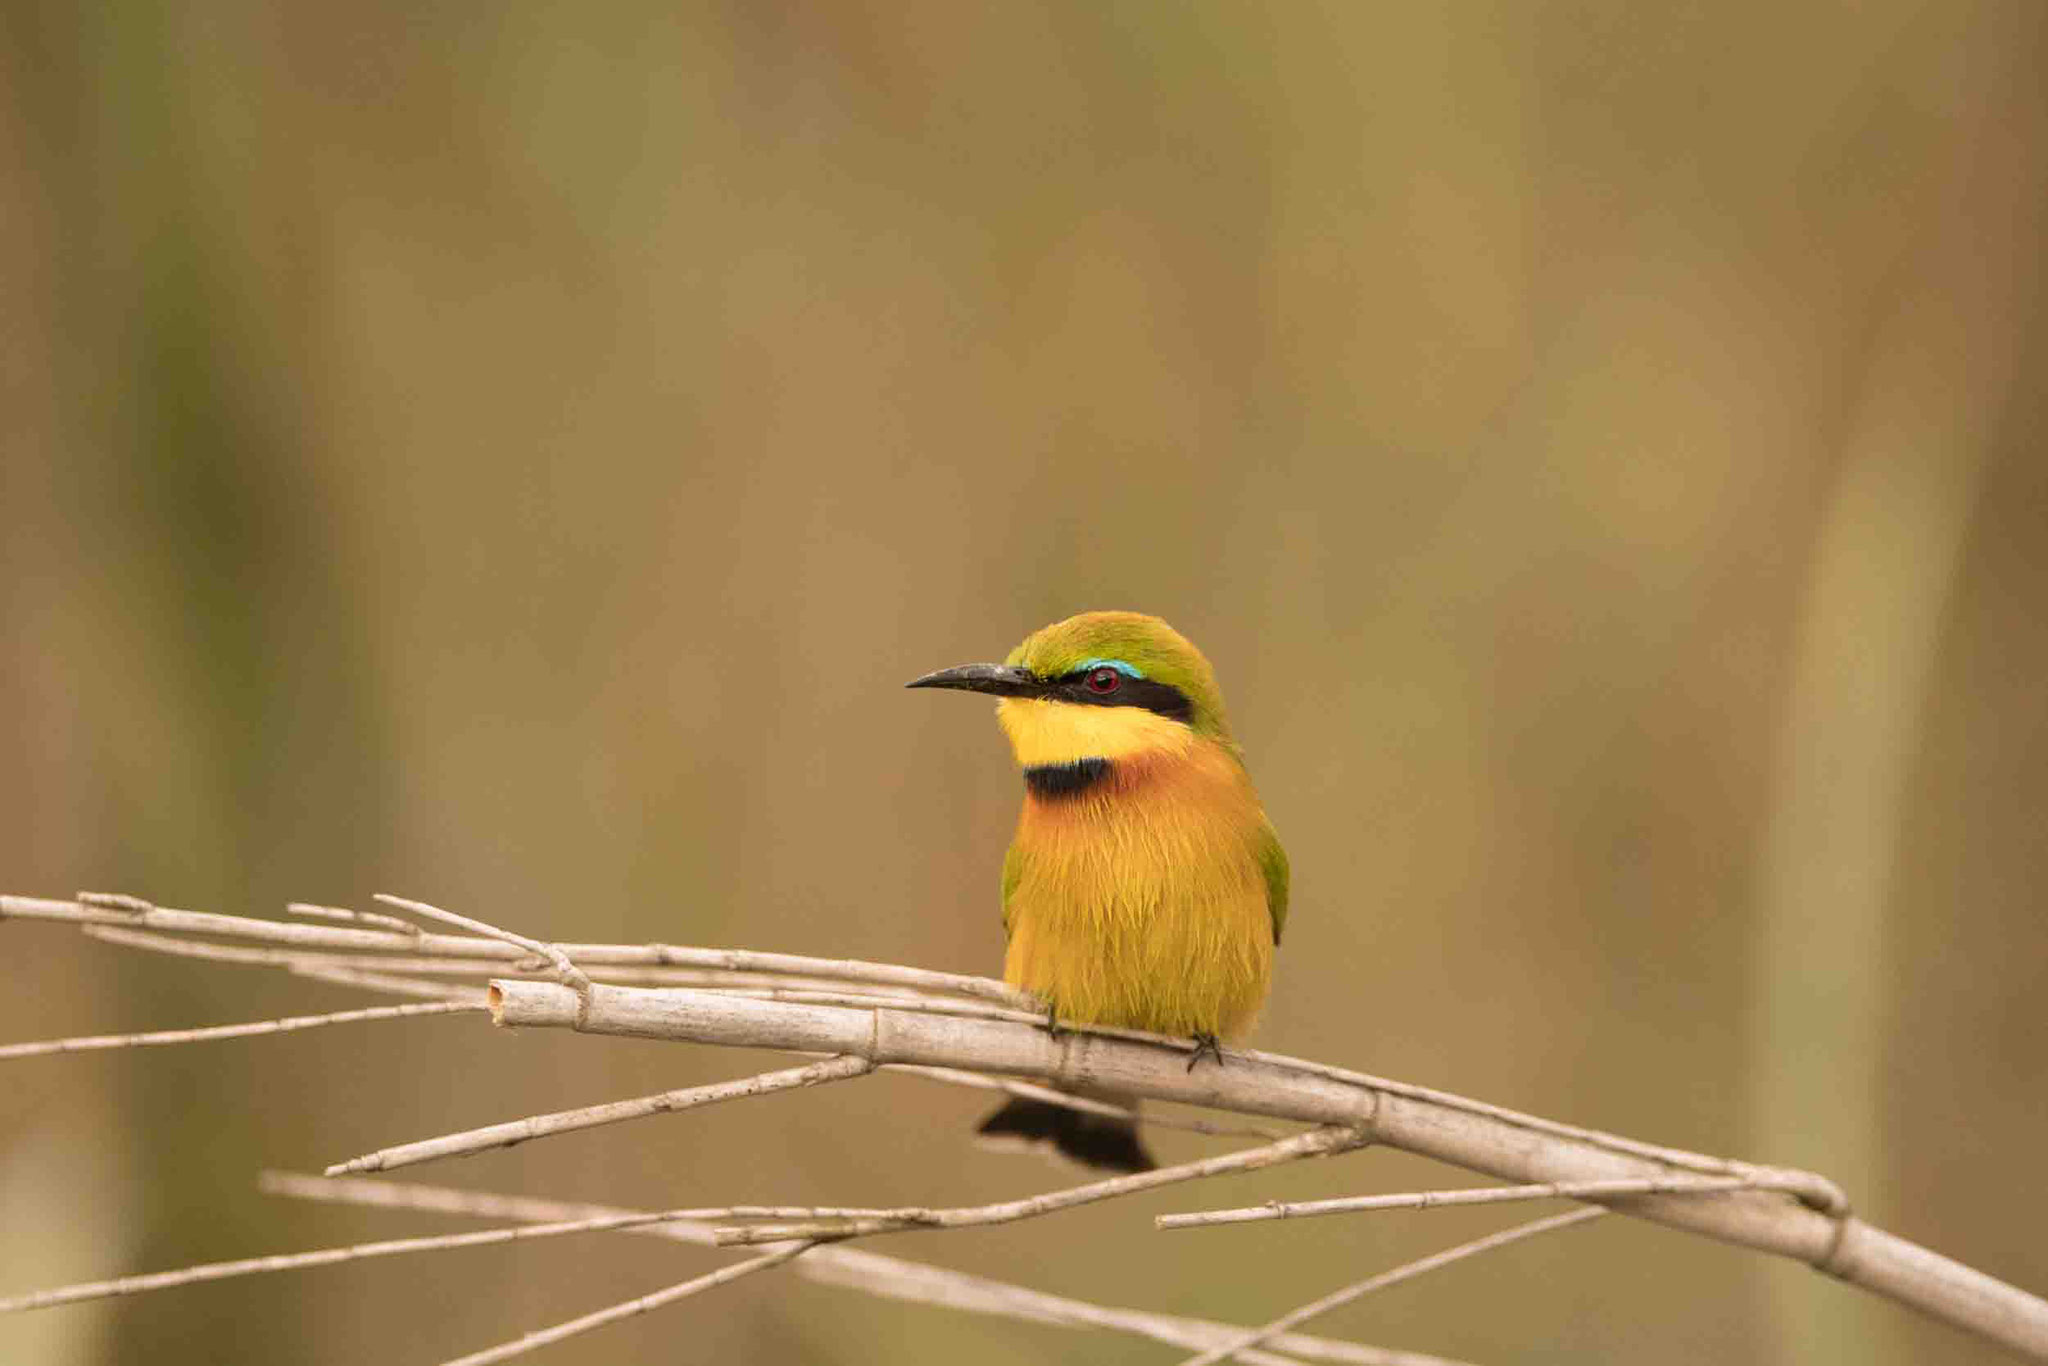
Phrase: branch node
(565, 972)
(1829, 1261)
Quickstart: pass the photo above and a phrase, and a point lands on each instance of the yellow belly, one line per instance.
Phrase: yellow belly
(1144, 906)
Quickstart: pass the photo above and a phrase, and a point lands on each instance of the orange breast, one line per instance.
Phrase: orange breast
(1141, 902)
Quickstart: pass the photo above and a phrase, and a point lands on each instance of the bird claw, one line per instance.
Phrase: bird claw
(1206, 1045)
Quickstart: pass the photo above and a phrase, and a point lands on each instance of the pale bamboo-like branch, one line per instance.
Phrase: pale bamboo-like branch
(366, 970)
(823, 1222)
(542, 1337)
(1483, 1195)
(855, 1269)
(1479, 1137)
(518, 1131)
(1817, 1228)
(1408, 1272)
(87, 1043)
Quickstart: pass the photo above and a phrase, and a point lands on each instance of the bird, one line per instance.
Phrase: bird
(1145, 887)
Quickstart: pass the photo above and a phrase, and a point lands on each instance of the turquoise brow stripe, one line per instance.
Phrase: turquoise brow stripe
(1127, 670)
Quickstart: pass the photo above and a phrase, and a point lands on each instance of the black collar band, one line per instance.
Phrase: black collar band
(1066, 780)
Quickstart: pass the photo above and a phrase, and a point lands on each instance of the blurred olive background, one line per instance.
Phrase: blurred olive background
(514, 459)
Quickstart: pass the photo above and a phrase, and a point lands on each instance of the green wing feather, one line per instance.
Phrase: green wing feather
(1272, 862)
(1013, 873)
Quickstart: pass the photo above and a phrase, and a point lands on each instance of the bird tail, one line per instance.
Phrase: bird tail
(1105, 1141)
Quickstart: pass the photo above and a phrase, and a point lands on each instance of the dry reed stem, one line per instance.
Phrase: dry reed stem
(87, 1043)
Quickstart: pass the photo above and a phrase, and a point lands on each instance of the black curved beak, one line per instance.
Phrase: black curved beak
(998, 679)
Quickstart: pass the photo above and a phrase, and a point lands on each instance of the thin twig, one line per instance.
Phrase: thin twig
(1386, 1278)
(518, 1131)
(975, 1294)
(158, 942)
(566, 972)
(1483, 1195)
(389, 982)
(352, 970)
(328, 1256)
(86, 1043)
(826, 1222)
(542, 1337)
(330, 960)
(348, 917)
(853, 1268)
(294, 958)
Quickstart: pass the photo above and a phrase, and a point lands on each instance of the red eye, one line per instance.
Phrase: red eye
(1104, 681)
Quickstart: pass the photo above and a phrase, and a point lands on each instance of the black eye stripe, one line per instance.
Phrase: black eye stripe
(1147, 693)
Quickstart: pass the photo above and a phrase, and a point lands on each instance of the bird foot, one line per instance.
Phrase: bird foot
(1206, 1045)
(1052, 1023)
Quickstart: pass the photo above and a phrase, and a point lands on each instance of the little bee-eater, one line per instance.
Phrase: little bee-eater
(1145, 888)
